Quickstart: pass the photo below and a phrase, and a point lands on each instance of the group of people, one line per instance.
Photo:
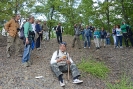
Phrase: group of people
(122, 32)
(102, 37)
(60, 61)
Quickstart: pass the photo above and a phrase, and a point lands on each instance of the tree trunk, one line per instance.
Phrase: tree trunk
(124, 12)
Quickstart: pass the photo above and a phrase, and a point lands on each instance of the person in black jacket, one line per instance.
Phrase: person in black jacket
(59, 31)
(129, 34)
(103, 37)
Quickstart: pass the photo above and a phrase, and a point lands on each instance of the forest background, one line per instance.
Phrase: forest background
(99, 13)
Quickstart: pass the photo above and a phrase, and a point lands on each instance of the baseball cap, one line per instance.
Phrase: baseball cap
(64, 43)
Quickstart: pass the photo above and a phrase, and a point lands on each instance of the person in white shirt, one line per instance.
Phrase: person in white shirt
(118, 36)
(60, 62)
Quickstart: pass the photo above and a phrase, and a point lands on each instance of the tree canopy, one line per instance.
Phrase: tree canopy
(100, 14)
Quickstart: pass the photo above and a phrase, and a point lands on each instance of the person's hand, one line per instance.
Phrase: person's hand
(27, 41)
(63, 58)
(68, 62)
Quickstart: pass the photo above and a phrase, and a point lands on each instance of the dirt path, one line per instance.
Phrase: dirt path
(14, 76)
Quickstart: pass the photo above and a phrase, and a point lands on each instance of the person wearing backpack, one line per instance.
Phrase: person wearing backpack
(29, 38)
(62, 62)
(12, 28)
(124, 31)
(77, 33)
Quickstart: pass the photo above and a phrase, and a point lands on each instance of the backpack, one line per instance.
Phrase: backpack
(129, 31)
(22, 33)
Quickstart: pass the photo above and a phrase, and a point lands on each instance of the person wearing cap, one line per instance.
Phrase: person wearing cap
(60, 62)
(29, 37)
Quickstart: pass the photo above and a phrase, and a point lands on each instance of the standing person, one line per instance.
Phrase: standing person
(39, 34)
(118, 36)
(77, 33)
(60, 62)
(125, 35)
(103, 37)
(114, 35)
(59, 31)
(12, 28)
(45, 31)
(82, 33)
(29, 37)
(97, 38)
(108, 38)
(130, 34)
(87, 35)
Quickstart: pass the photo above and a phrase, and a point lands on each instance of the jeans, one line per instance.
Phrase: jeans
(59, 35)
(26, 54)
(118, 39)
(108, 41)
(87, 39)
(59, 69)
(38, 41)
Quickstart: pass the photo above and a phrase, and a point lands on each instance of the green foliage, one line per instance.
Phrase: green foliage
(93, 67)
(123, 83)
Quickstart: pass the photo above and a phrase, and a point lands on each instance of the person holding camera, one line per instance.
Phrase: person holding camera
(12, 28)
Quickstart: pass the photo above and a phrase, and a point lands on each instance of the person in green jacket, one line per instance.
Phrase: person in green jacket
(126, 31)
(28, 33)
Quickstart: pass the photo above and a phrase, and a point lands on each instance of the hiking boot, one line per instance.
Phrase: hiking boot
(30, 62)
(77, 81)
(8, 55)
(62, 84)
(25, 64)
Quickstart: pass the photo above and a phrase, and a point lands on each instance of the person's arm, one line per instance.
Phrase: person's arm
(7, 25)
(26, 32)
(69, 60)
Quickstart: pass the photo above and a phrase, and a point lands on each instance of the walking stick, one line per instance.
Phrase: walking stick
(68, 72)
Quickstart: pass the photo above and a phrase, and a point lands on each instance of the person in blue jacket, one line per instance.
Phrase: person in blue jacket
(87, 35)
(39, 33)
